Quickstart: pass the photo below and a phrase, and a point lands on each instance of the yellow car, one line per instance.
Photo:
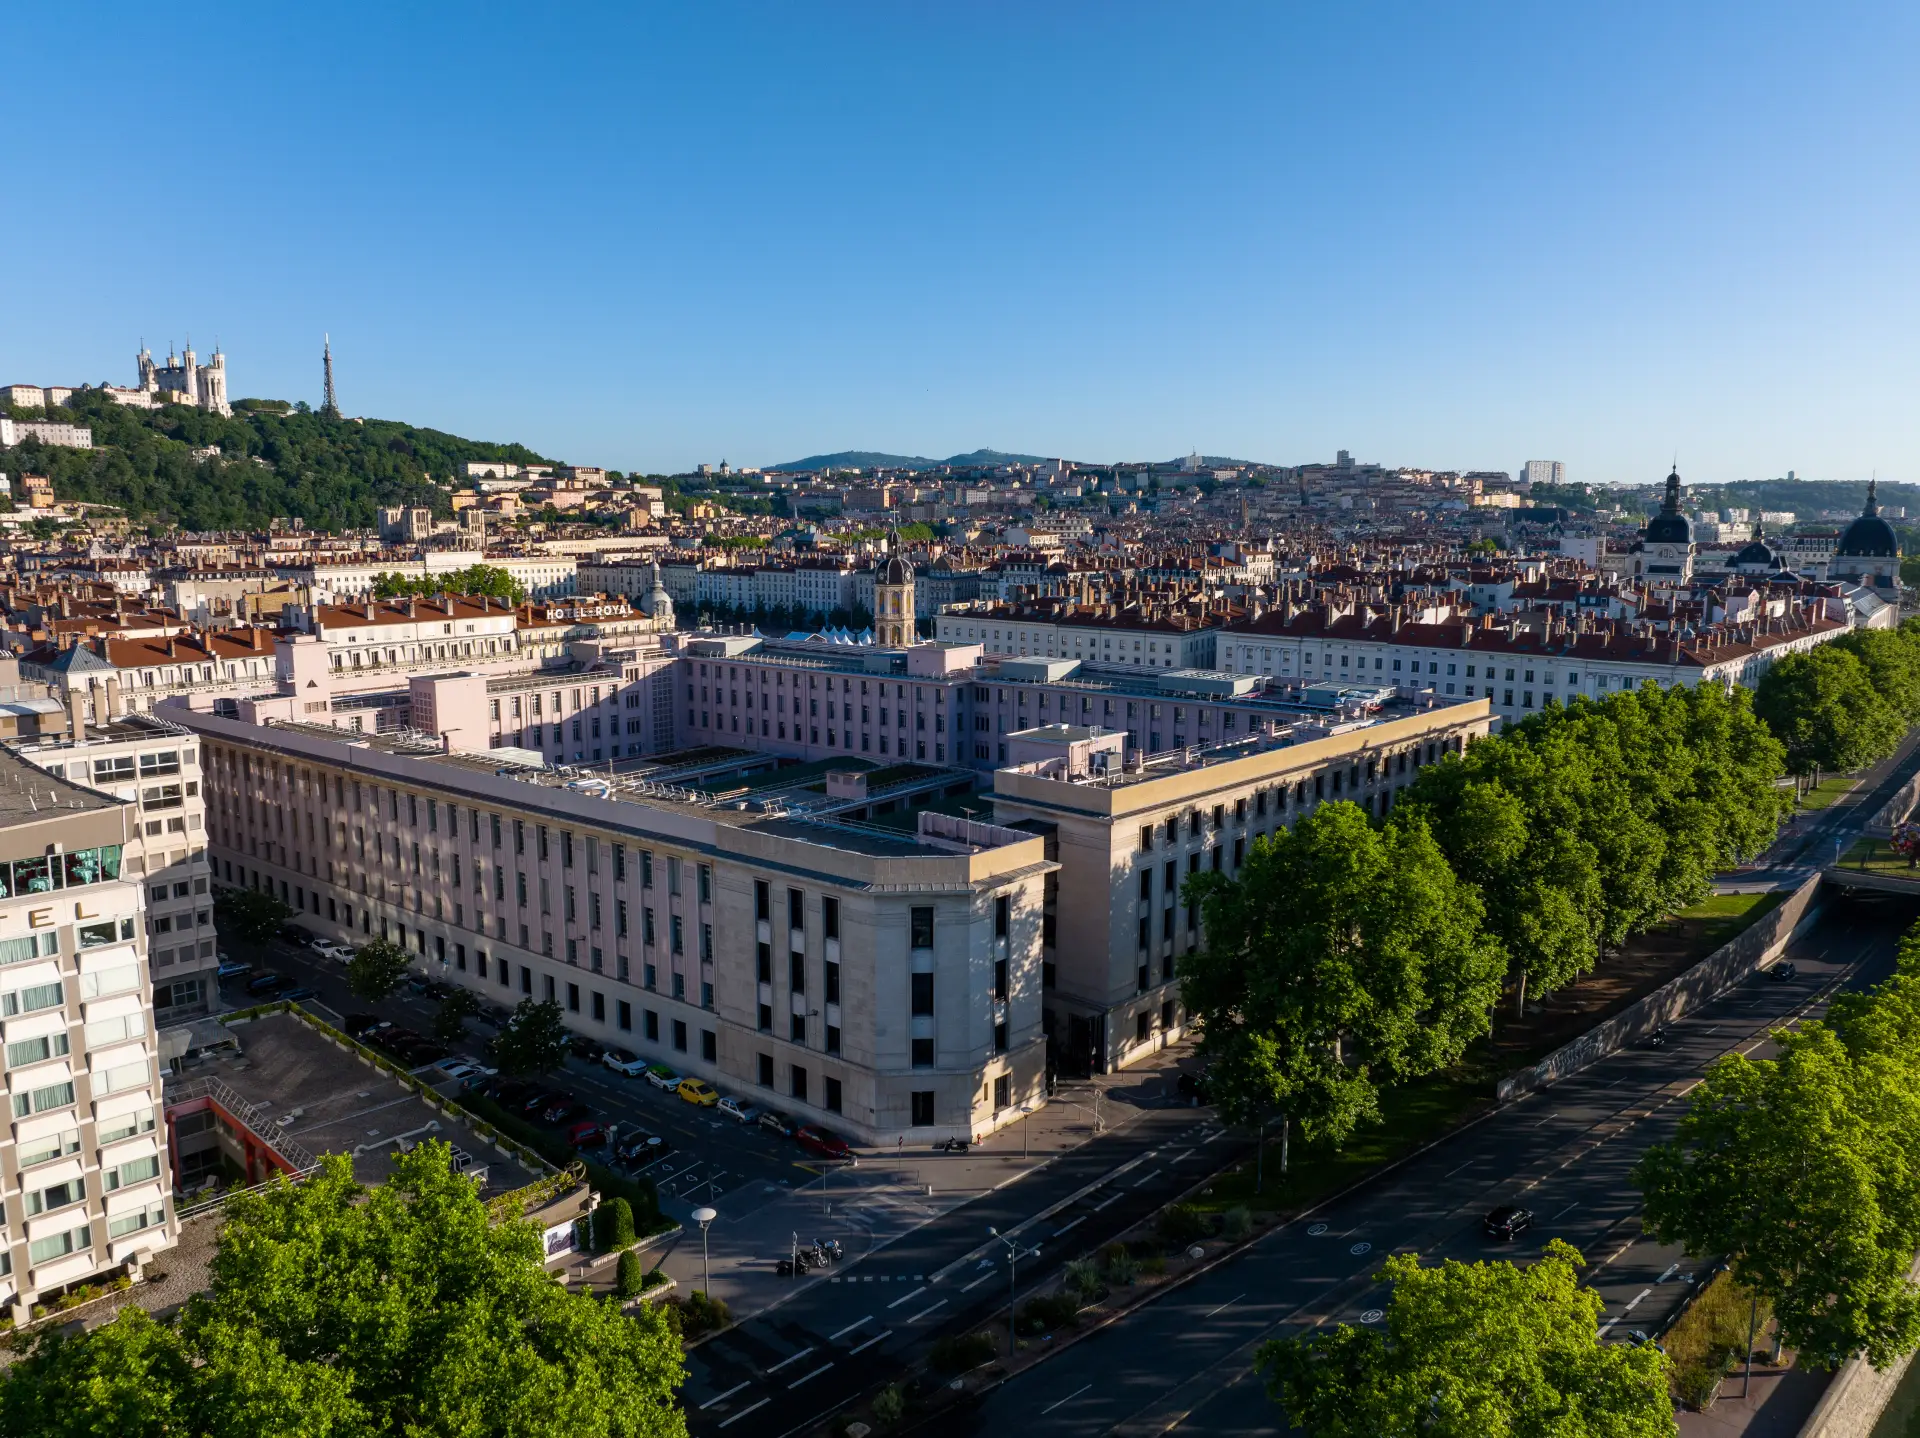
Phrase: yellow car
(698, 1091)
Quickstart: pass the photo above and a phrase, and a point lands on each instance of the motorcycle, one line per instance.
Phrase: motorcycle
(951, 1145)
(829, 1249)
(799, 1264)
(1657, 1039)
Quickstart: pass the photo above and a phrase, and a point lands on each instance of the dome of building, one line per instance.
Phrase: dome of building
(896, 571)
(1670, 526)
(1869, 536)
(1756, 555)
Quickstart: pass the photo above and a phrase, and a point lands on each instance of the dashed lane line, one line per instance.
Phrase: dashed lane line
(904, 1297)
(836, 1337)
(790, 1359)
(809, 1377)
(729, 1422)
(851, 1352)
(723, 1397)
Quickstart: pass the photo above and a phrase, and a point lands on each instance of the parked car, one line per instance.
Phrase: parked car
(536, 1099)
(418, 982)
(563, 1109)
(587, 1135)
(510, 1094)
(776, 1122)
(1508, 1221)
(737, 1109)
(298, 995)
(698, 1091)
(821, 1143)
(231, 970)
(437, 988)
(294, 934)
(641, 1148)
(265, 984)
(662, 1077)
(317, 942)
(585, 1048)
(360, 1025)
(622, 1062)
(494, 1016)
(338, 953)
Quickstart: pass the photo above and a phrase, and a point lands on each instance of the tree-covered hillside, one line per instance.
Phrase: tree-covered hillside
(332, 473)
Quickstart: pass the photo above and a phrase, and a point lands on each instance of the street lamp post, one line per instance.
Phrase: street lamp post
(703, 1217)
(1013, 1290)
(1026, 1122)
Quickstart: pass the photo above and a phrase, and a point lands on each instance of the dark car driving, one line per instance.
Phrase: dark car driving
(1508, 1221)
(265, 984)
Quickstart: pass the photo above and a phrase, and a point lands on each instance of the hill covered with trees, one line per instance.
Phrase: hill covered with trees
(275, 461)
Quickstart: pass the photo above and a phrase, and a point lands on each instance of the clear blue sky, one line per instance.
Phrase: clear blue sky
(647, 236)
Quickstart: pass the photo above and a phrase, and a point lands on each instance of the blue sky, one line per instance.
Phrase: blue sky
(650, 236)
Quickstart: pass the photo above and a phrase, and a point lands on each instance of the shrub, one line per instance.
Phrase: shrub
(613, 1224)
(959, 1352)
(632, 1279)
(1122, 1267)
(1154, 1264)
(889, 1404)
(702, 1314)
(1046, 1313)
(1709, 1340)
(1183, 1224)
(1235, 1224)
(1083, 1277)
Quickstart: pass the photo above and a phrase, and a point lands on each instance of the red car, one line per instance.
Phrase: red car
(817, 1141)
(586, 1135)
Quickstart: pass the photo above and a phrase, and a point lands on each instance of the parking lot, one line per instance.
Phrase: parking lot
(708, 1155)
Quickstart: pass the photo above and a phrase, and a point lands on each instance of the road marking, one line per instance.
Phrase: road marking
(1605, 1326)
(1636, 1301)
(904, 1297)
(1068, 1399)
(1671, 1270)
(722, 1398)
(1058, 1232)
(1103, 1203)
(726, 1423)
(928, 1309)
(809, 1377)
(835, 1338)
(1565, 1211)
(1228, 1304)
(1211, 1137)
(1451, 1172)
(870, 1342)
(1177, 1157)
(976, 1282)
(1148, 1177)
(791, 1358)
(1548, 1119)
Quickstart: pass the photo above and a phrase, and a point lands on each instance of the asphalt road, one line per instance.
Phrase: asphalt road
(1184, 1363)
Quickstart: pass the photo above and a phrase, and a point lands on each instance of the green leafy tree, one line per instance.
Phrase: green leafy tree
(1891, 658)
(456, 1007)
(1480, 1350)
(631, 1278)
(1799, 1169)
(1823, 707)
(1341, 958)
(534, 1039)
(476, 580)
(337, 1311)
(251, 915)
(377, 968)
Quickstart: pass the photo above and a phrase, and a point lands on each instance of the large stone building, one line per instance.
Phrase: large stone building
(1127, 833)
(884, 983)
(83, 1162)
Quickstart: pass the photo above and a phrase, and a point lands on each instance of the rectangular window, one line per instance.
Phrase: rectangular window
(798, 1081)
(923, 1053)
(832, 1087)
(923, 995)
(830, 918)
(680, 1035)
(797, 973)
(922, 927)
(623, 1014)
(923, 1108)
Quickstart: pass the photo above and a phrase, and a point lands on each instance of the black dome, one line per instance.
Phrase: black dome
(1869, 537)
(896, 571)
(1755, 553)
(1666, 528)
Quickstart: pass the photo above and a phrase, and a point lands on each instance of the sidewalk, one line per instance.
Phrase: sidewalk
(885, 1194)
(1779, 1406)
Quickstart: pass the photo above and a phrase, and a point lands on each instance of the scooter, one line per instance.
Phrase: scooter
(1657, 1039)
(951, 1145)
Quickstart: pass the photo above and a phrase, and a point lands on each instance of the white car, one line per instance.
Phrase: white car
(339, 953)
(662, 1077)
(622, 1062)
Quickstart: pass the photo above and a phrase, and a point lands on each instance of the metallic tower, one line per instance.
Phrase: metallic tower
(329, 406)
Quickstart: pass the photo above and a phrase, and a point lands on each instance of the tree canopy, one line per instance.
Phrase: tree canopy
(533, 1040)
(337, 1311)
(250, 914)
(475, 580)
(1799, 1169)
(1824, 707)
(377, 969)
(1480, 1350)
(1341, 957)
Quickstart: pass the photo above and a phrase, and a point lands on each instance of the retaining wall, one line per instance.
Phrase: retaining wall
(1857, 1396)
(1895, 809)
(1726, 965)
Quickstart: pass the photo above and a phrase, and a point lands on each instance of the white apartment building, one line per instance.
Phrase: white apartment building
(70, 436)
(883, 984)
(543, 576)
(153, 766)
(84, 1175)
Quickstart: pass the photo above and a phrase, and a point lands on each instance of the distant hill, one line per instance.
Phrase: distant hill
(858, 459)
(874, 459)
(272, 462)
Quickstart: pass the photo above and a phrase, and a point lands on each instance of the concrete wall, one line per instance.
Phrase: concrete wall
(1725, 966)
(1895, 809)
